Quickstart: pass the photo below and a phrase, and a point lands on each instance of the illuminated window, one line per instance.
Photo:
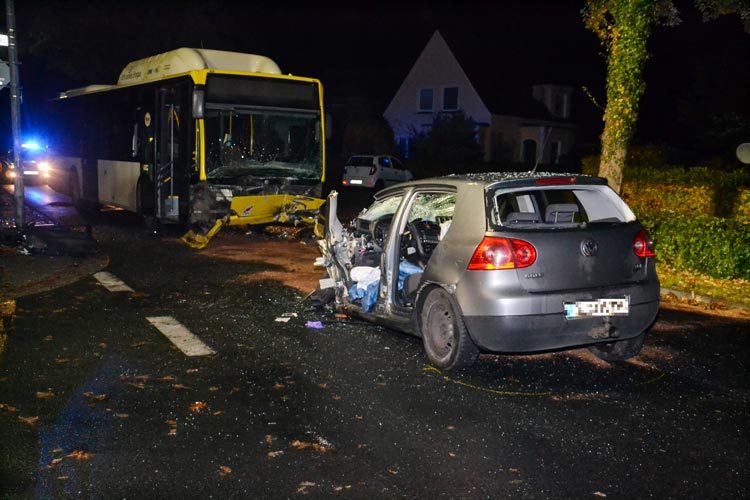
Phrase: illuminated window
(450, 99)
(426, 97)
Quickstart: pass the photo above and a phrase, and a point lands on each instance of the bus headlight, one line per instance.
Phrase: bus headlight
(43, 167)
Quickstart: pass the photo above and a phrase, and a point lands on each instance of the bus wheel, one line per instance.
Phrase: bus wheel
(74, 189)
(144, 195)
(84, 207)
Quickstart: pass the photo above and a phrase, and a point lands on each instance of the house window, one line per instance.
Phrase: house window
(425, 100)
(558, 105)
(528, 152)
(450, 99)
(556, 152)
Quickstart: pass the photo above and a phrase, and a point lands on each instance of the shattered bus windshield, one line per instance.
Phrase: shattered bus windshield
(243, 144)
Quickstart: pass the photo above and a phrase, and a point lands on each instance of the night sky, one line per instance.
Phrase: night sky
(363, 50)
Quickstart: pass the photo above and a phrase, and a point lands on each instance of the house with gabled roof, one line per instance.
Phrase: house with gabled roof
(529, 129)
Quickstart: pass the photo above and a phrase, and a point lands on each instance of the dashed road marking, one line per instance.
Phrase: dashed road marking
(112, 282)
(180, 336)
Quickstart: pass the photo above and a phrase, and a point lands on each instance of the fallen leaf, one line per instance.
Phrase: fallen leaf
(451, 454)
(224, 470)
(180, 387)
(600, 494)
(137, 385)
(45, 395)
(168, 378)
(270, 439)
(28, 420)
(102, 346)
(61, 361)
(278, 386)
(172, 422)
(302, 488)
(234, 389)
(274, 454)
(139, 344)
(172, 432)
(192, 370)
(124, 378)
(213, 388)
(336, 398)
(393, 472)
(8, 408)
(451, 428)
(56, 461)
(62, 478)
(57, 450)
(143, 378)
(300, 445)
(79, 455)
(122, 415)
(323, 386)
(48, 338)
(198, 406)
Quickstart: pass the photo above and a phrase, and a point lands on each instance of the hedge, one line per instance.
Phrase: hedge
(713, 246)
(698, 217)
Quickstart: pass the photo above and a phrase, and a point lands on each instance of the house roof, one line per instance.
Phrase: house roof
(498, 70)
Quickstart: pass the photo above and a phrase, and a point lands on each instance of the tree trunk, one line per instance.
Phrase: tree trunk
(626, 56)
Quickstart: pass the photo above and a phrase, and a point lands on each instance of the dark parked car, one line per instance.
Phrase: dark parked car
(501, 263)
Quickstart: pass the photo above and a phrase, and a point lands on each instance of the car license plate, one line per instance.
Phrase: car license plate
(355, 181)
(601, 307)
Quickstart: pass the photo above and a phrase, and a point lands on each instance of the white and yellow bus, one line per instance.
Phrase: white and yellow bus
(194, 136)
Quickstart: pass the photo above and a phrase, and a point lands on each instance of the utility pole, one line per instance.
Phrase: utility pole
(15, 112)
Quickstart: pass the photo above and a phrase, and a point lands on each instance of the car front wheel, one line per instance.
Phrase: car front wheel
(444, 334)
(620, 350)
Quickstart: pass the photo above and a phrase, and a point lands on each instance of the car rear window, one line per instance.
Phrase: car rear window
(360, 161)
(556, 207)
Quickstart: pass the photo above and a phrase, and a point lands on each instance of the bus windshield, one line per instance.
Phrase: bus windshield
(244, 143)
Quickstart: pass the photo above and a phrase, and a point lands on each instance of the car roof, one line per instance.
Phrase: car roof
(503, 179)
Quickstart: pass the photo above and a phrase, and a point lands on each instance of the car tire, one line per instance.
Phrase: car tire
(620, 350)
(444, 335)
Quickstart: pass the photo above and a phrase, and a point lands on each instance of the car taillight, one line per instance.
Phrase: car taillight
(643, 245)
(502, 253)
(373, 170)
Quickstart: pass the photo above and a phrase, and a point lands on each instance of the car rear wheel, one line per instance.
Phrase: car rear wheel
(620, 350)
(446, 341)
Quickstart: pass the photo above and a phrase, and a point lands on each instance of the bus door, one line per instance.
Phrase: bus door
(144, 150)
(170, 172)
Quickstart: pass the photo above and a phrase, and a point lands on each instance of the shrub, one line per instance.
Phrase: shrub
(713, 246)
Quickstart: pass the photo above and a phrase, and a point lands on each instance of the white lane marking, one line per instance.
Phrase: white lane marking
(180, 336)
(112, 282)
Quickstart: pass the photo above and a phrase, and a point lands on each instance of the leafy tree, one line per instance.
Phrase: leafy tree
(624, 27)
(450, 146)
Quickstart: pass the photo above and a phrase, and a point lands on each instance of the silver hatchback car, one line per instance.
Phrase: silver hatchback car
(498, 263)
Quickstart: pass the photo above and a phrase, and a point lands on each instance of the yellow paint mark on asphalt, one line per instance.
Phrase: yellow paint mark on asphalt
(484, 389)
(661, 375)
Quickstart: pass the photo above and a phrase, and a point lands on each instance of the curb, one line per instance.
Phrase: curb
(702, 299)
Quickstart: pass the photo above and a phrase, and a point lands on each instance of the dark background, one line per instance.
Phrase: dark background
(698, 74)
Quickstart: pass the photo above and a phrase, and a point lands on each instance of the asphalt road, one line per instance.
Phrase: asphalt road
(95, 402)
